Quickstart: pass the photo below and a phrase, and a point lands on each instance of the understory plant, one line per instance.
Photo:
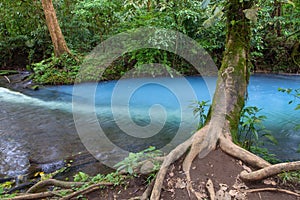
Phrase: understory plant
(200, 111)
(133, 160)
(250, 129)
(54, 70)
(295, 93)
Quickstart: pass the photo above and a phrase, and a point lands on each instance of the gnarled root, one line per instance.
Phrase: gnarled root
(174, 155)
(270, 171)
(234, 150)
(53, 182)
(199, 145)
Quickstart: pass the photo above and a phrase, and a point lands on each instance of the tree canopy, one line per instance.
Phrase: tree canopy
(25, 38)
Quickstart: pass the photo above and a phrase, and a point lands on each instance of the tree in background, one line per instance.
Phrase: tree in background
(58, 40)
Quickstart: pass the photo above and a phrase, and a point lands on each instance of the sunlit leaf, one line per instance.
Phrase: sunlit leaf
(289, 2)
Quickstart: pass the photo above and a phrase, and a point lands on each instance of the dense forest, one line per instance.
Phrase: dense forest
(52, 39)
(26, 43)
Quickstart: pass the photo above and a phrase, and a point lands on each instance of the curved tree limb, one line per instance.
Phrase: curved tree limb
(270, 171)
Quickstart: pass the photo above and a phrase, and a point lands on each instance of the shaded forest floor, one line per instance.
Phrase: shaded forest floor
(220, 168)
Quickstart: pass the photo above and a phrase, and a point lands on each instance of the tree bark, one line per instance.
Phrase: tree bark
(58, 40)
(228, 101)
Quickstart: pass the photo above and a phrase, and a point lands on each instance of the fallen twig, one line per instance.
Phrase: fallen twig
(40, 195)
(272, 190)
(54, 182)
(86, 190)
(7, 79)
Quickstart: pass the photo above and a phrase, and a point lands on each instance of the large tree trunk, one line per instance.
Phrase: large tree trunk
(227, 103)
(58, 41)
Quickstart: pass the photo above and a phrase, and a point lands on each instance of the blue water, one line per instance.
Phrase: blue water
(133, 114)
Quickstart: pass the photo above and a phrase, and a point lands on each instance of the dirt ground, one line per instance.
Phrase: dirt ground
(220, 168)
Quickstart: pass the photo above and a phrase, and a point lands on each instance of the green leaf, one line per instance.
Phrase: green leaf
(81, 177)
(130, 170)
(289, 2)
(1, 190)
(271, 138)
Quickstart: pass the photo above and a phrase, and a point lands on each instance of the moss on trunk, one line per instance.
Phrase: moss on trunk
(234, 70)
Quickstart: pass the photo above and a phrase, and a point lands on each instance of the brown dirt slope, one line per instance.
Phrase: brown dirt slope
(218, 167)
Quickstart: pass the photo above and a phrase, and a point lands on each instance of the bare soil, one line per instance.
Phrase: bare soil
(221, 169)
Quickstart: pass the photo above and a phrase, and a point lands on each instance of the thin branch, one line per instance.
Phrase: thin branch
(148, 191)
(272, 190)
(86, 190)
(7, 79)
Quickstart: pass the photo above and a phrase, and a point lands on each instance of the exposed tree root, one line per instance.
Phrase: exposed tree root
(270, 171)
(86, 190)
(40, 195)
(210, 189)
(169, 159)
(147, 192)
(62, 184)
(272, 190)
(201, 146)
(234, 150)
(53, 182)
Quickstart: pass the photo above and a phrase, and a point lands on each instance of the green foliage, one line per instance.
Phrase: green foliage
(130, 163)
(199, 111)
(294, 93)
(86, 23)
(81, 177)
(24, 35)
(251, 128)
(53, 71)
(275, 35)
(91, 22)
(265, 154)
(113, 178)
(290, 177)
(3, 189)
(296, 98)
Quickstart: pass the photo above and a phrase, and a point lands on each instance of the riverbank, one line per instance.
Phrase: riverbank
(221, 169)
(218, 169)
